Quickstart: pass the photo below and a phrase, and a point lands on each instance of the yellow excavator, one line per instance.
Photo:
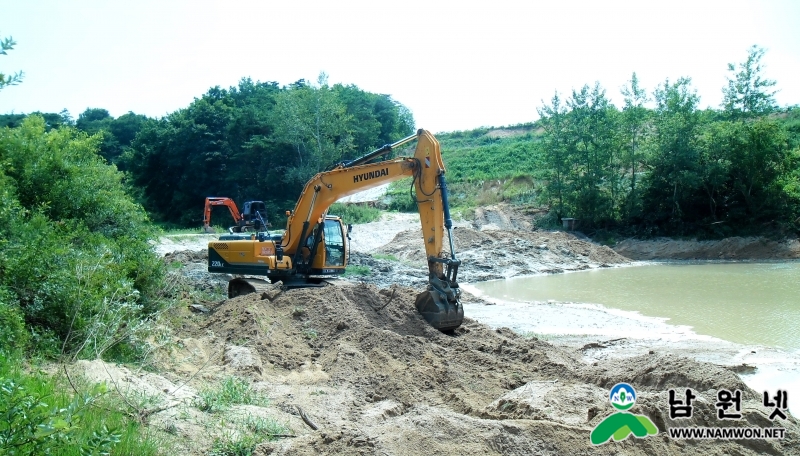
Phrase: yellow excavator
(313, 247)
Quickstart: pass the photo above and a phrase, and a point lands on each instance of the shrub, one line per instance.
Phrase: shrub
(13, 335)
(75, 257)
(32, 426)
(40, 417)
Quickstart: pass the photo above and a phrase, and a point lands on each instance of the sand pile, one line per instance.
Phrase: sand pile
(378, 380)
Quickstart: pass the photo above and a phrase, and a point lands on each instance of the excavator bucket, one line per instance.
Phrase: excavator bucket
(440, 309)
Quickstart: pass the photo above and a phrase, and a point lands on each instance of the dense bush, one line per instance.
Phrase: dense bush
(74, 257)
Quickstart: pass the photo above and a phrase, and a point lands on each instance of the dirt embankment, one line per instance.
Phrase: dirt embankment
(734, 248)
(498, 243)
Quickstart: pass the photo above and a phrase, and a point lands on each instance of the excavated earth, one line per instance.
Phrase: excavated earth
(733, 248)
(360, 363)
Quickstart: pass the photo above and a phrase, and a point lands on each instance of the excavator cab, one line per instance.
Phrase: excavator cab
(252, 215)
(334, 243)
(325, 248)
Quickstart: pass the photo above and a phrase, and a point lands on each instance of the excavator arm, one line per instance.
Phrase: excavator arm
(349, 178)
(212, 201)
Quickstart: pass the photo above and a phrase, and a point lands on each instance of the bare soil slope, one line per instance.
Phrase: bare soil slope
(376, 379)
(734, 248)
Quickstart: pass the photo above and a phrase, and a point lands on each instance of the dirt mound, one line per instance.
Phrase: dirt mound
(501, 217)
(496, 254)
(378, 379)
(734, 248)
(186, 256)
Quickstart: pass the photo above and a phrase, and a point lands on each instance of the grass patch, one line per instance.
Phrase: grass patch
(385, 256)
(173, 230)
(265, 426)
(232, 391)
(299, 312)
(537, 336)
(310, 333)
(354, 271)
(41, 416)
(244, 444)
(230, 445)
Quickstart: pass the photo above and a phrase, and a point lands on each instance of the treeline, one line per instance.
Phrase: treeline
(658, 165)
(673, 168)
(116, 135)
(256, 141)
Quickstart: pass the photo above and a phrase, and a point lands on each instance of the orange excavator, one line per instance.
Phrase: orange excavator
(250, 219)
(313, 247)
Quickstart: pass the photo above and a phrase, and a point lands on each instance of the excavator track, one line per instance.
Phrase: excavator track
(242, 286)
(246, 285)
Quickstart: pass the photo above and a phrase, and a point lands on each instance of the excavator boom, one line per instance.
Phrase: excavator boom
(212, 201)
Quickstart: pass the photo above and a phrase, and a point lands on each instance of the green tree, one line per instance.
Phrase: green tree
(673, 177)
(317, 125)
(555, 152)
(595, 183)
(634, 129)
(97, 121)
(7, 44)
(377, 119)
(761, 160)
(748, 93)
(714, 142)
(117, 134)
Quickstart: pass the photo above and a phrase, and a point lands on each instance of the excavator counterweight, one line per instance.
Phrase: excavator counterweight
(314, 245)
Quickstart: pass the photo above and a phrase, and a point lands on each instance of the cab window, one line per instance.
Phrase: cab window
(334, 244)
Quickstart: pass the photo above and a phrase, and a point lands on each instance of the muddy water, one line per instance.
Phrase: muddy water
(748, 303)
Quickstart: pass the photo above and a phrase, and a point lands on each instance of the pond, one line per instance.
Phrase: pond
(747, 303)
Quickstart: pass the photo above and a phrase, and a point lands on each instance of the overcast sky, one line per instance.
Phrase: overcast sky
(457, 64)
